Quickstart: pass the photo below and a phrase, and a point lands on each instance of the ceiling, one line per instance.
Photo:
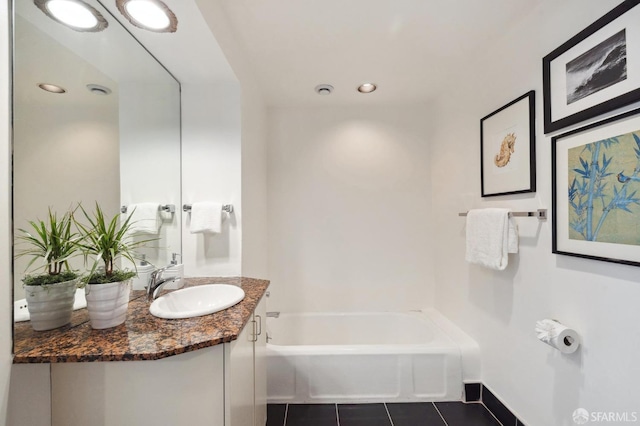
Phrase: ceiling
(191, 54)
(407, 47)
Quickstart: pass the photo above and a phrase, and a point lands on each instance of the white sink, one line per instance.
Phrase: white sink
(196, 301)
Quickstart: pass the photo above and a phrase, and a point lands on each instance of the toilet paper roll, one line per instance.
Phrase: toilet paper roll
(557, 335)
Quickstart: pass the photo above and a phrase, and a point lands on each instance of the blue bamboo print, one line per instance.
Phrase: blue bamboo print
(595, 189)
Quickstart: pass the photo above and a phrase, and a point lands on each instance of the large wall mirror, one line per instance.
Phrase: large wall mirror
(113, 137)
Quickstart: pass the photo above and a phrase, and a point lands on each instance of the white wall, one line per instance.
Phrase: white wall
(211, 172)
(349, 209)
(252, 137)
(499, 309)
(6, 323)
(254, 187)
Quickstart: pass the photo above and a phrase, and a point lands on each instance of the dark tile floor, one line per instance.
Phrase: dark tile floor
(389, 414)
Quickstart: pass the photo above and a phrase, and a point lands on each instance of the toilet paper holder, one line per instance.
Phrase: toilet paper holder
(557, 335)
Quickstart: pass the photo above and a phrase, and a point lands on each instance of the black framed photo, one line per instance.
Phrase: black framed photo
(596, 71)
(508, 148)
(596, 190)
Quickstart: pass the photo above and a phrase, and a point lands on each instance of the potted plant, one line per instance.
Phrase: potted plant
(50, 295)
(107, 287)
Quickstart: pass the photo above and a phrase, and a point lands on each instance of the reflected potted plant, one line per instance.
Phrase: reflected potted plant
(107, 287)
(50, 295)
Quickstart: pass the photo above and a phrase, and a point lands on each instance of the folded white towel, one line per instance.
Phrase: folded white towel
(512, 236)
(491, 235)
(145, 218)
(206, 217)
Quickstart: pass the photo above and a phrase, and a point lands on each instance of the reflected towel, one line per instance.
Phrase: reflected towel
(206, 217)
(491, 235)
(145, 218)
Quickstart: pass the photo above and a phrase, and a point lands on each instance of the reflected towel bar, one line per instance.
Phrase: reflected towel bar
(541, 214)
(169, 208)
(226, 208)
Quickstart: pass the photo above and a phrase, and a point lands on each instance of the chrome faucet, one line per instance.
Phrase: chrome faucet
(156, 280)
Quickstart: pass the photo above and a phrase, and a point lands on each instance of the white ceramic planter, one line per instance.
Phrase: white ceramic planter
(50, 306)
(107, 303)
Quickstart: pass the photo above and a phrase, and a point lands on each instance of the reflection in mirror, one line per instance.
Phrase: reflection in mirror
(113, 136)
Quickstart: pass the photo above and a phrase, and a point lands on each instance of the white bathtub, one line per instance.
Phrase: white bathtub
(368, 357)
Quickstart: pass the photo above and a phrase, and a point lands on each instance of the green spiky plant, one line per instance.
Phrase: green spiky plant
(107, 241)
(53, 242)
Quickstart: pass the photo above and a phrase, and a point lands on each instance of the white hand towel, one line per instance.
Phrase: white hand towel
(513, 235)
(206, 217)
(488, 238)
(145, 218)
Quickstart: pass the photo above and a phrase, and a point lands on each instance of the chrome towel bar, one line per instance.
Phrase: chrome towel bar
(541, 214)
(226, 208)
(169, 208)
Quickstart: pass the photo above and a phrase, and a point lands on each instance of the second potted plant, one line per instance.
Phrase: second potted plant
(107, 287)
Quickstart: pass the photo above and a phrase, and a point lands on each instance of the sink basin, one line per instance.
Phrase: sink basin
(196, 301)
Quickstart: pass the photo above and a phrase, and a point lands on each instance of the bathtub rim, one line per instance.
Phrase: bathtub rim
(468, 348)
(395, 349)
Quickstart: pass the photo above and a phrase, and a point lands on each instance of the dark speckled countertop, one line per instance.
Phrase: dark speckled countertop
(142, 336)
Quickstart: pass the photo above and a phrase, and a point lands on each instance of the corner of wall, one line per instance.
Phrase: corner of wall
(254, 186)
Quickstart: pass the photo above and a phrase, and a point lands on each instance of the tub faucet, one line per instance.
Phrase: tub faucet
(156, 280)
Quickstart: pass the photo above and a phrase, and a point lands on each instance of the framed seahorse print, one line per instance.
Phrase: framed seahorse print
(508, 148)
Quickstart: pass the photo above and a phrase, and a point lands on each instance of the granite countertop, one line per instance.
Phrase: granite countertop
(142, 336)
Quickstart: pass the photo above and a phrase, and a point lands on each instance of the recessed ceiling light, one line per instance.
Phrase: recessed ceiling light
(75, 14)
(152, 15)
(51, 88)
(367, 88)
(324, 89)
(97, 89)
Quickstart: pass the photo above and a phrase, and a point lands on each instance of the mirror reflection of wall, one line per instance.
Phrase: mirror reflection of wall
(116, 149)
(150, 160)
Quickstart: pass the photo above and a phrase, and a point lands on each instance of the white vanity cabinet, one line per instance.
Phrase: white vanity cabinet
(245, 374)
(186, 389)
(222, 385)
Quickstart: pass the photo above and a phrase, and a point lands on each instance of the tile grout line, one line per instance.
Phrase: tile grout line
(440, 414)
(286, 411)
(388, 414)
(492, 415)
(486, 408)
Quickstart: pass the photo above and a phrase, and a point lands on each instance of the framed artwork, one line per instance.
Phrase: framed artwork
(596, 71)
(507, 148)
(596, 190)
